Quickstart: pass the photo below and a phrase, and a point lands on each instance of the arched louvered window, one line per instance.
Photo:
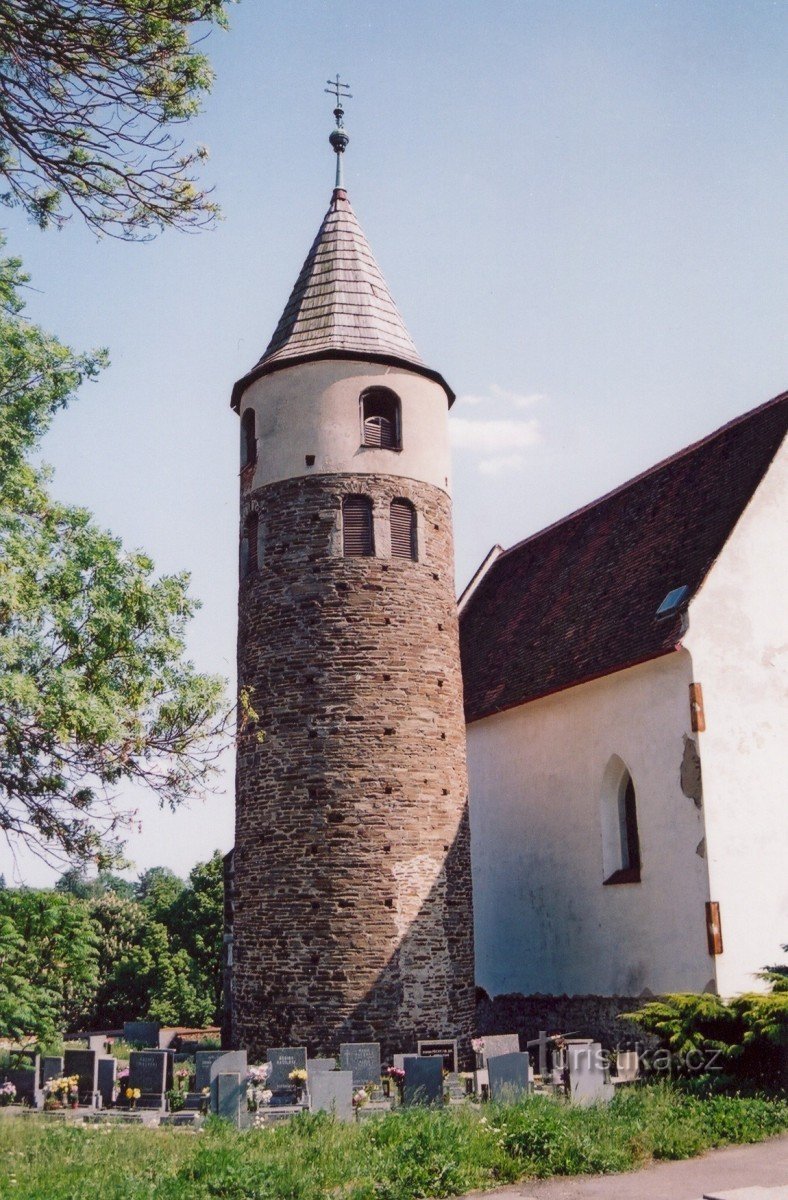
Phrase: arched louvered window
(403, 530)
(380, 419)
(248, 439)
(357, 536)
(249, 545)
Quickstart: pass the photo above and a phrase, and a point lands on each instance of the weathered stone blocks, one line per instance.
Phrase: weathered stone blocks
(352, 883)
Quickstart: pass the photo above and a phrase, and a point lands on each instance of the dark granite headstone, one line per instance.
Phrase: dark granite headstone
(51, 1068)
(142, 1033)
(283, 1060)
(509, 1076)
(363, 1059)
(26, 1084)
(83, 1064)
(148, 1071)
(228, 1096)
(442, 1048)
(106, 1081)
(205, 1060)
(423, 1081)
(332, 1091)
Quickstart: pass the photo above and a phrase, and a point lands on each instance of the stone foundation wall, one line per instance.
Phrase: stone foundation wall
(352, 880)
(586, 1016)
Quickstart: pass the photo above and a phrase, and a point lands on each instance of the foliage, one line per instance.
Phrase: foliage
(90, 94)
(402, 1156)
(95, 688)
(49, 961)
(89, 955)
(748, 1034)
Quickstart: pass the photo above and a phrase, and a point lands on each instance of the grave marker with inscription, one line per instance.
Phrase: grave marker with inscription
(363, 1059)
(443, 1048)
(283, 1060)
(204, 1061)
(83, 1064)
(148, 1072)
(105, 1081)
(142, 1033)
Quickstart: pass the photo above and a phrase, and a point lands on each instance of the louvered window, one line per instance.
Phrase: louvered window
(249, 554)
(248, 439)
(403, 530)
(380, 419)
(378, 432)
(357, 538)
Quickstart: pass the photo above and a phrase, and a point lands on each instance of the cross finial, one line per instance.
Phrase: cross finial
(339, 137)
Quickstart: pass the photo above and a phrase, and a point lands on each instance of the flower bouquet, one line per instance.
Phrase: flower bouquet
(7, 1094)
(298, 1080)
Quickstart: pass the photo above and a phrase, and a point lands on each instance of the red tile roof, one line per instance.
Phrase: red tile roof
(340, 307)
(579, 599)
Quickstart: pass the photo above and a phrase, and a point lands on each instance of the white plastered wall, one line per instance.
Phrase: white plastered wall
(544, 921)
(313, 409)
(738, 638)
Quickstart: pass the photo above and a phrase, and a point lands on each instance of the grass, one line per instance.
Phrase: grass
(418, 1153)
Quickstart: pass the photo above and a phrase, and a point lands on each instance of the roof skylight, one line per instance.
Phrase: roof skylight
(673, 601)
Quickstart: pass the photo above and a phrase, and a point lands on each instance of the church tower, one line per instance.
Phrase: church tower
(352, 881)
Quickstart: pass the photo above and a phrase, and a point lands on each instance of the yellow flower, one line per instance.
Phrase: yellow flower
(129, 1093)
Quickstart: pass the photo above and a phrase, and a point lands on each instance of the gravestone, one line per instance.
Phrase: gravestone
(51, 1068)
(148, 1072)
(97, 1042)
(627, 1066)
(142, 1033)
(228, 1096)
(442, 1048)
(106, 1081)
(499, 1043)
(589, 1075)
(230, 1063)
(83, 1064)
(363, 1059)
(423, 1081)
(283, 1060)
(316, 1065)
(204, 1061)
(332, 1091)
(509, 1076)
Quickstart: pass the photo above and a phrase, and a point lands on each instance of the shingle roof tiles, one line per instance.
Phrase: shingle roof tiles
(340, 306)
(579, 599)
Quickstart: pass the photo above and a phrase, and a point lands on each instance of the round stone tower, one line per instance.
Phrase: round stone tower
(351, 871)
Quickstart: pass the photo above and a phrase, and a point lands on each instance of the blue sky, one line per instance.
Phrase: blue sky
(580, 208)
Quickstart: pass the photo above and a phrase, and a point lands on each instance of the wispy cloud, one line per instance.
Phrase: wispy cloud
(501, 464)
(487, 437)
(496, 395)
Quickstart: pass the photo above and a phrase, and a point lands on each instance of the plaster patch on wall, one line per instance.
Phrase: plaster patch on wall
(689, 773)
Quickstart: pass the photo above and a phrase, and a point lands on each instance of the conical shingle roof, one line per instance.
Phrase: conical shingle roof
(340, 307)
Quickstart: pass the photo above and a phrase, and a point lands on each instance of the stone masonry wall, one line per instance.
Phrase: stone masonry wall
(352, 911)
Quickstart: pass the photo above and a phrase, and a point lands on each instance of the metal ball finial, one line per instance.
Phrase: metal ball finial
(339, 137)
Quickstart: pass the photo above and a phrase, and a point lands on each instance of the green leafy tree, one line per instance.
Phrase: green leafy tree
(91, 98)
(95, 688)
(196, 924)
(49, 948)
(158, 889)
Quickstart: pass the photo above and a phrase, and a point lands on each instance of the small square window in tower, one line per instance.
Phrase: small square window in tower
(380, 419)
(357, 535)
(403, 530)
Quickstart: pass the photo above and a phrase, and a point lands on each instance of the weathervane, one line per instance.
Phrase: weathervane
(339, 137)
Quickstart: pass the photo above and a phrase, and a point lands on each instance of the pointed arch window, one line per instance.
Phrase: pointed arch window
(250, 542)
(403, 530)
(381, 419)
(620, 835)
(248, 439)
(357, 532)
